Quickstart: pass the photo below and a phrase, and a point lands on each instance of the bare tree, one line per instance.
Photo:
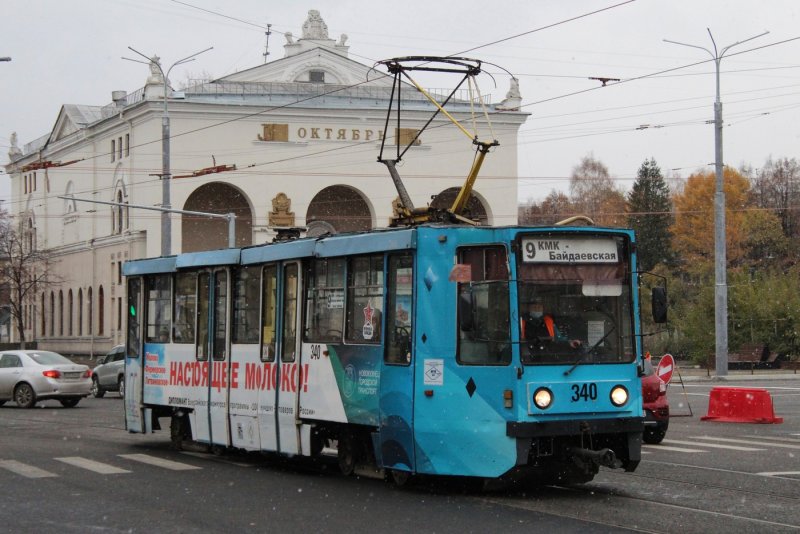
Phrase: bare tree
(23, 271)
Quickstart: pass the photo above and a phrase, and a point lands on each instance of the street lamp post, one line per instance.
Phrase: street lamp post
(720, 253)
(166, 222)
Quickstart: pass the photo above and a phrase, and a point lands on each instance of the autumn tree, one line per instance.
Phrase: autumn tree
(594, 193)
(24, 271)
(555, 207)
(777, 187)
(693, 227)
(650, 215)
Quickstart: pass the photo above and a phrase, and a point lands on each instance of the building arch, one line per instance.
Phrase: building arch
(477, 207)
(204, 233)
(337, 209)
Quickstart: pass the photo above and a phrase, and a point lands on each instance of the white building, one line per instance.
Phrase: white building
(304, 134)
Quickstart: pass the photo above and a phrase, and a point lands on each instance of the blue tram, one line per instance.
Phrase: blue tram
(510, 352)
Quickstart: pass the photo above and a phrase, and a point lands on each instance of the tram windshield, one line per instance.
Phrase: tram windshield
(574, 300)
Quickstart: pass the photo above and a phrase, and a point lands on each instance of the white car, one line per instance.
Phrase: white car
(109, 375)
(29, 376)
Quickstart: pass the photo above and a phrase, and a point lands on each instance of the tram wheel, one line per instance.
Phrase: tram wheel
(399, 478)
(347, 455)
(179, 431)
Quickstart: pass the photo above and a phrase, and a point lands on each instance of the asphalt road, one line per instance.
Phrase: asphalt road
(76, 470)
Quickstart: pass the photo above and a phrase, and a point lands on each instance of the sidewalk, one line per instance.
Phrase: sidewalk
(694, 373)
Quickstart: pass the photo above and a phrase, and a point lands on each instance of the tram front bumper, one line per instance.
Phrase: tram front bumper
(612, 442)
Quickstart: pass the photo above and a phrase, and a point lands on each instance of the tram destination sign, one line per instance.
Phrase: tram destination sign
(551, 249)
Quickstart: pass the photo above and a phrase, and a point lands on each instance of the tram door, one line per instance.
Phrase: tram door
(212, 326)
(397, 378)
(134, 367)
(288, 378)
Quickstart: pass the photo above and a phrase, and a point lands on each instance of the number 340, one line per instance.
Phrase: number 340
(584, 392)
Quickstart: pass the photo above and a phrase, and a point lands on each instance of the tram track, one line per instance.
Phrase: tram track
(769, 494)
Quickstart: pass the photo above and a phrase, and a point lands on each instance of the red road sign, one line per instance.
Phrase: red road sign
(665, 367)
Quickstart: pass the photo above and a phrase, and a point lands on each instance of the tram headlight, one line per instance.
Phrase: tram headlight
(619, 396)
(543, 398)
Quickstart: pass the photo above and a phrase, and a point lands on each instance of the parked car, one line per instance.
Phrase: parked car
(30, 376)
(109, 375)
(656, 407)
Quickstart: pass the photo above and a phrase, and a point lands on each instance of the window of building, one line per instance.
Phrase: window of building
(60, 313)
(246, 305)
(119, 314)
(100, 311)
(158, 309)
(80, 311)
(70, 311)
(113, 150)
(364, 299)
(90, 308)
(185, 307)
(42, 317)
(127, 145)
(316, 76)
(484, 335)
(52, 314)
(119, 147)
(325, 301)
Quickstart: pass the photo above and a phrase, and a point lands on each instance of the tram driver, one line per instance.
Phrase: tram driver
(539, 329)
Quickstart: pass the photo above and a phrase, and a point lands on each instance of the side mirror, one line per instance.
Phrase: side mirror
(659, 304)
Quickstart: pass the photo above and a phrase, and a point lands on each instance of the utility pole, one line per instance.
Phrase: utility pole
(720, 253)
(166, 222)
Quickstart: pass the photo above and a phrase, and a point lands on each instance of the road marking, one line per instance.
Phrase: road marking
(91, 465)
(159, 462)
(778, 473)
(25, 470)
(713, 445)
(667, 448)
(748, 442)
(777, 438)
(206, 456)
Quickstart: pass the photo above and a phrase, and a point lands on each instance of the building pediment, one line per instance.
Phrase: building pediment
(337, 69)
(72, 118)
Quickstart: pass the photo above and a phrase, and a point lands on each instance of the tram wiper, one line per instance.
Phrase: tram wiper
(589, 351)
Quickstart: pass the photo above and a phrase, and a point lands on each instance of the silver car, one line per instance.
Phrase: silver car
(29, 376)
(110, 374)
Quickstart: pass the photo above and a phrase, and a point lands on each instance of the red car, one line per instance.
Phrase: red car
(656, 408)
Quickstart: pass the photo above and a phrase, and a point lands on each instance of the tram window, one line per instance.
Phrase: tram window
(220, 314)
(325, 301)
(203, 281)
(364, 299)
(157, 304)
(268, 302)
(185, 307)
(290, 282)
(245, 305)
(484, 336)
(134, 289)
(398, 309)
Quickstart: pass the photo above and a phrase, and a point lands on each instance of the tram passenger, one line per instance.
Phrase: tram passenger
(539, 327)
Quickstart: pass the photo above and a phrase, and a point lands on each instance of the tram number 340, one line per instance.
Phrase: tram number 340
(584, 392)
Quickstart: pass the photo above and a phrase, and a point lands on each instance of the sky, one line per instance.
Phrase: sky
(70, 52)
